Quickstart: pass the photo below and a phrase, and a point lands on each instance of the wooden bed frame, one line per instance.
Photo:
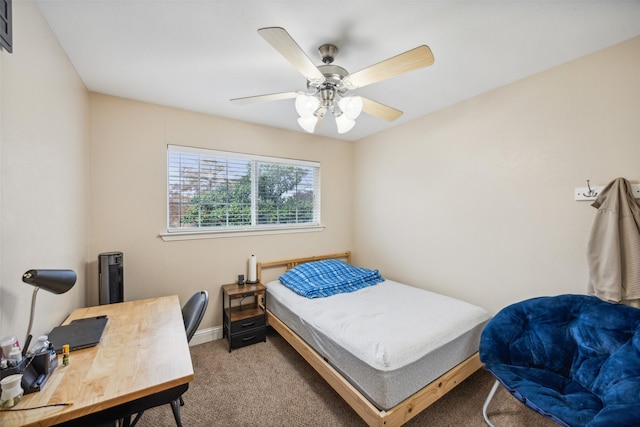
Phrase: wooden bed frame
(399, 414)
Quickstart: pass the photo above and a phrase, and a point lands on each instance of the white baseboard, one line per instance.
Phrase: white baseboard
(205, 335)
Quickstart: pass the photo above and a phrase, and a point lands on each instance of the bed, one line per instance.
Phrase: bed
(372, 345)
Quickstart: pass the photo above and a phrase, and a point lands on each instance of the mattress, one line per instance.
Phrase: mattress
(388, 340)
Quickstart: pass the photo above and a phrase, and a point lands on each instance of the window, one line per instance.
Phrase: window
(223, 191)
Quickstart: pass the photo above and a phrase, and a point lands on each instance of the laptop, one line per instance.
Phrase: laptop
(80, 333)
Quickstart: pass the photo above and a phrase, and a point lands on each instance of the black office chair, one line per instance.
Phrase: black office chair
(192, 314)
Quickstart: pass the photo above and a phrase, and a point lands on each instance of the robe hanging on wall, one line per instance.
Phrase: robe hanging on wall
(613, 251)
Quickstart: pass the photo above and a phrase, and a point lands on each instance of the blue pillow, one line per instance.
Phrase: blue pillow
(328, 277)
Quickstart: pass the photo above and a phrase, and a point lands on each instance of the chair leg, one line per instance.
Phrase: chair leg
(175, 407)
(135, 420)
(487, 401)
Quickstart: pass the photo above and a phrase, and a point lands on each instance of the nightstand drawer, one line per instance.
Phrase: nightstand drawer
(248, 337)
(249, 323)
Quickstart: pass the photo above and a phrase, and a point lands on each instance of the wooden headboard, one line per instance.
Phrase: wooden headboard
(288, 264)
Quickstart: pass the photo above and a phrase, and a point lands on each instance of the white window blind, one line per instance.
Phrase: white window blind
(216, 190)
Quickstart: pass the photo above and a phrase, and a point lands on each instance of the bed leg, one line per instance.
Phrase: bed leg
(487, 401)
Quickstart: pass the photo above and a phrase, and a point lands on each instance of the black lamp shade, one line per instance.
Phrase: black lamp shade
(54, 281)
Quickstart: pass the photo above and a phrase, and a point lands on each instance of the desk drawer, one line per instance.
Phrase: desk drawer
(249, 323)
(248, 337)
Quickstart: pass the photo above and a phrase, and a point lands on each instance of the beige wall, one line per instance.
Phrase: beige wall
(476, 200)
(127, 201)
(42, 173)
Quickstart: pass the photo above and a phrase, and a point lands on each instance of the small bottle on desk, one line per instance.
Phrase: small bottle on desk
(65, 355)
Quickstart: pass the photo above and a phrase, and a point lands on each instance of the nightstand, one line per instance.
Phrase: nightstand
(244, 318)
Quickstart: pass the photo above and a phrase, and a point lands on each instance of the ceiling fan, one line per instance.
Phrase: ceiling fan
(328, 84)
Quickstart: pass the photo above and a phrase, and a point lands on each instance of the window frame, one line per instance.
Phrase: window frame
(187, 233)
(6, 29)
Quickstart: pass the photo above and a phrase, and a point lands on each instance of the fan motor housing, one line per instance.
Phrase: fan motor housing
(333, 75)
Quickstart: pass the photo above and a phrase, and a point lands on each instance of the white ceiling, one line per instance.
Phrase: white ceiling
(196, 55)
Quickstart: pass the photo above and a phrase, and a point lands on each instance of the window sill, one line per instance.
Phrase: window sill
(218, 234)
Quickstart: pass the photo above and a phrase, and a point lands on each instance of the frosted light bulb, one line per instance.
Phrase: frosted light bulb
(306, 105)
(344, 124)
(308, 123)
(351, 106)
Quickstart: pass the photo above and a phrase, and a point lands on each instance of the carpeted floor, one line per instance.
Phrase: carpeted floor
(269, 384)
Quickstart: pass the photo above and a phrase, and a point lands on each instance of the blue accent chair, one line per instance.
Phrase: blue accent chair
(572, 358)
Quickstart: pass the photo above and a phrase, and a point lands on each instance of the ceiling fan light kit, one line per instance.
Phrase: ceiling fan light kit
(328, 84)
(310, 107)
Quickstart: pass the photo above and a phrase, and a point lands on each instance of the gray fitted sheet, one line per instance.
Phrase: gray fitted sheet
(388, 340)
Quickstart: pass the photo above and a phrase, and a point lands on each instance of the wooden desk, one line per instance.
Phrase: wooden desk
(143, 350)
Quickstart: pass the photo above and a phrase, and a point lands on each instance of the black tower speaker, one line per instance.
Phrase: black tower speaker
(111, 277)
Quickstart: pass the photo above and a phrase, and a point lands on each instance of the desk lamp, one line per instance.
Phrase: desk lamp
(54, 281)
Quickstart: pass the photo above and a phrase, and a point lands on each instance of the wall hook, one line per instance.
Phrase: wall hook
(590, 193)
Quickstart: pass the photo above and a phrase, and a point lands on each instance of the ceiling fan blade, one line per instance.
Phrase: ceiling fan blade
(262, 98)
(411, 60)
(380, 110)
(287, 46)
